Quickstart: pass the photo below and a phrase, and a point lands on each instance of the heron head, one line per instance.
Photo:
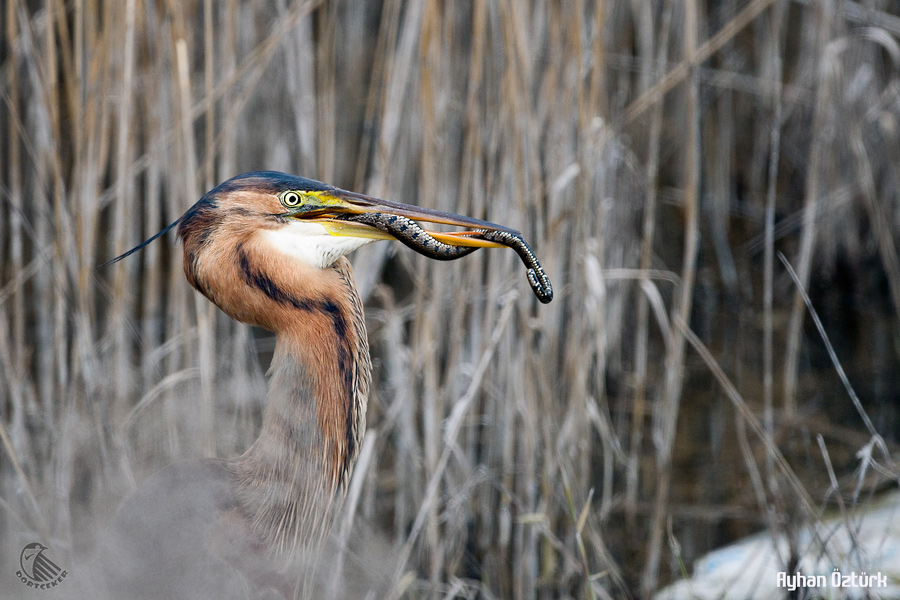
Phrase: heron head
(308, 220)
(274, 232)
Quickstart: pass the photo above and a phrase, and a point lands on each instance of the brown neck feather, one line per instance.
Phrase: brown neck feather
(293, 476)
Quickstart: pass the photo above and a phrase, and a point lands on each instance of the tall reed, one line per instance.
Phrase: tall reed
(657, 154)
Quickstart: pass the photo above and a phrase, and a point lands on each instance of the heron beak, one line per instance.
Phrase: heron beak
(331, 208)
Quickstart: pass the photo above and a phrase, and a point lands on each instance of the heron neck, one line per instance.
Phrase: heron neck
(294, 475)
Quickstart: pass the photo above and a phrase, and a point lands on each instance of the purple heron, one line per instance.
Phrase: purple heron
(268, 249)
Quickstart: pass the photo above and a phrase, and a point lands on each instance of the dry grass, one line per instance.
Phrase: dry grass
(656, 154)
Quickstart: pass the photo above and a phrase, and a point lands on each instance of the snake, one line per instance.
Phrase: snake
(411, 234)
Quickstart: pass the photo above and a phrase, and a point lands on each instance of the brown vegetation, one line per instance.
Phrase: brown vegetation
(657, 155)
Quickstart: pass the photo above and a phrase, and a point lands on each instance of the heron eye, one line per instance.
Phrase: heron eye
(291, 199)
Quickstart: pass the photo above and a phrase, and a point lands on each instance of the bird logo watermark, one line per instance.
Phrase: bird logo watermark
(37, 570)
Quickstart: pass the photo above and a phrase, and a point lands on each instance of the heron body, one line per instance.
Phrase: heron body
(268, 249)
(261, 273)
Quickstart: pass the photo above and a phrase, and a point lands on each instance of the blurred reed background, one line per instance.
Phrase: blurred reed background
(673, 397)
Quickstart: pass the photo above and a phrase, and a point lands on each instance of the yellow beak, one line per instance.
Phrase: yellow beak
(331, 209)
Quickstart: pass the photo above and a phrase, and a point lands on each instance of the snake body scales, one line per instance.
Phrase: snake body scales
(411, 234)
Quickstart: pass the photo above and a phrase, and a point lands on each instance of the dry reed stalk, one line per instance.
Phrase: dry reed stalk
(302, 84)
(878, 219)
(39, 520)
(648, 229)
(326, 92)
(123, 282)
(703, 52)
(821, 133)
(454, 423)
(666, 411)
(857, 404)
(14, 354)
(776, 74)
(209, 54)
(760, 487)
(741, 405)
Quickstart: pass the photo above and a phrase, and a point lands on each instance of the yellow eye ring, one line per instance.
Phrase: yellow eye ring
(291, 199)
